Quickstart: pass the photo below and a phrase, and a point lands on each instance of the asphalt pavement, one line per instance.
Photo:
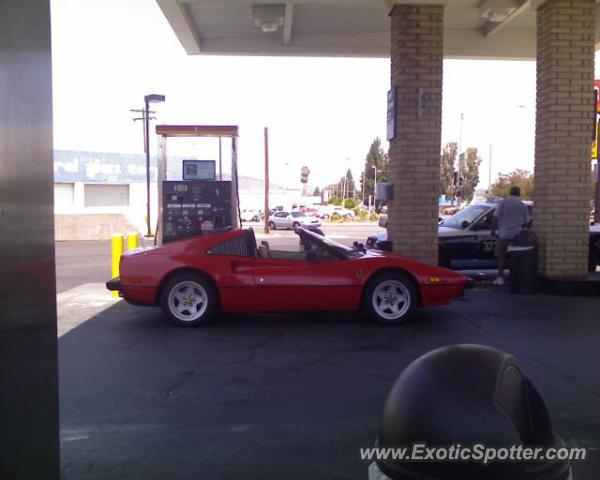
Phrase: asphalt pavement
(291, 396)
(284, 396)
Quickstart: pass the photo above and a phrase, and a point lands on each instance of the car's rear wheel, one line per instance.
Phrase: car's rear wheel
(272, 226)
(188, 300)
(295, 225)
(390, 298)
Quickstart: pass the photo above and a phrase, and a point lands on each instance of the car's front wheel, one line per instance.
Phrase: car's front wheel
(188, 300)
(390, 298)
(272, 226)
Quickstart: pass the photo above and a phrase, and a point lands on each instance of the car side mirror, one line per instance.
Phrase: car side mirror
(464, 224)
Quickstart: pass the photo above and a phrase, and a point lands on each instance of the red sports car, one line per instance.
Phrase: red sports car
(192, 279)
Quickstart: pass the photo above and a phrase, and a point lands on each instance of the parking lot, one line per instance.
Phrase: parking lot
(256, 396)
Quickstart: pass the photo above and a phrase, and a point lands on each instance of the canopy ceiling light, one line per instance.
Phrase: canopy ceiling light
(497, 10)
(268, 16)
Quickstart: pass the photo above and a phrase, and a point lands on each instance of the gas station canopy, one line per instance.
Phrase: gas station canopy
(501, 29)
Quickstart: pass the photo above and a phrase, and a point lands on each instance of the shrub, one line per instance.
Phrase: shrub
(350, 203)
(336, 217)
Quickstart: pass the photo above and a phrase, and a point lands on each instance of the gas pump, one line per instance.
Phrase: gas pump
(199, 203)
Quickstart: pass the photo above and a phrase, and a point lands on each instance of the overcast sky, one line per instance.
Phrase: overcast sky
(322, 112)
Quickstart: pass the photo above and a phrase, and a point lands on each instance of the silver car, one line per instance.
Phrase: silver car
(287, 220)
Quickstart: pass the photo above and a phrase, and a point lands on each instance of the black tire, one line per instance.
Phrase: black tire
(295, 225)
(201, 287)
(272, 226)
(404, 285)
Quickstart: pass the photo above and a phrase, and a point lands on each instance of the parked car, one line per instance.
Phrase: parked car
(192, 279)
(465, 239)
(287, 220)
(250, 215)
(310, 212)
(341, 211)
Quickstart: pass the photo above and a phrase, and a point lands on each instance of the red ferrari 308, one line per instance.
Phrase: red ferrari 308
(194, 278)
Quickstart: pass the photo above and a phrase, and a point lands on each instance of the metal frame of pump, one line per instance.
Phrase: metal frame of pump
(164, 132)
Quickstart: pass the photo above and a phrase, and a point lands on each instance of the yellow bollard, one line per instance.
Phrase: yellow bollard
(132, 240)
(116, 252)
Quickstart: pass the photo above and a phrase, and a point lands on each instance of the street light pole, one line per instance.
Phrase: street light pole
(374, 167)
(154, 98)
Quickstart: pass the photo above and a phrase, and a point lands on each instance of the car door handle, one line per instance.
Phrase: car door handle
(238, 267)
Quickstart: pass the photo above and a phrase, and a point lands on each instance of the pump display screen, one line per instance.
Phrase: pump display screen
(199, 169)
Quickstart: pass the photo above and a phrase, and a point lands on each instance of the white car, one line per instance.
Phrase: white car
(341, 211)
(293, 220)
(250, 215)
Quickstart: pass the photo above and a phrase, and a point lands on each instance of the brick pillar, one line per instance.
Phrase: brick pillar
(563, 135)
(414, 167)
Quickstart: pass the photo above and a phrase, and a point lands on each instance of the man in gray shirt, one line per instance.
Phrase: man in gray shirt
(510, 218)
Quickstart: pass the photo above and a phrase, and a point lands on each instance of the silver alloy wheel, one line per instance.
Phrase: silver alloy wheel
(188, 301)
(391, 299)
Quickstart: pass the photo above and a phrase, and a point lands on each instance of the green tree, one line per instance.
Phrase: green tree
(350, 185)
(447, 162)
(469, 173)
(516, 178)
(375, 157)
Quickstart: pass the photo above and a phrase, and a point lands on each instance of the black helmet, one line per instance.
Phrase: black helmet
(467, 395)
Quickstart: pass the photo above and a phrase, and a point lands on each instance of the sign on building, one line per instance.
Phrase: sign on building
(391, 113)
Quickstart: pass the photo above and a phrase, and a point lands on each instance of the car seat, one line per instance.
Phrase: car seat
(264, 251)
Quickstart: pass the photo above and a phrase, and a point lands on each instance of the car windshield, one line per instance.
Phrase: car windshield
(297, 214)
(469, 215)
(312, 237)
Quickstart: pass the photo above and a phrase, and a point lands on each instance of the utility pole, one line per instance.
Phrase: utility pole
(458, 182)
(363, 186)
(220, 161)
(267, 210)
(148, 99)
(490, 173)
